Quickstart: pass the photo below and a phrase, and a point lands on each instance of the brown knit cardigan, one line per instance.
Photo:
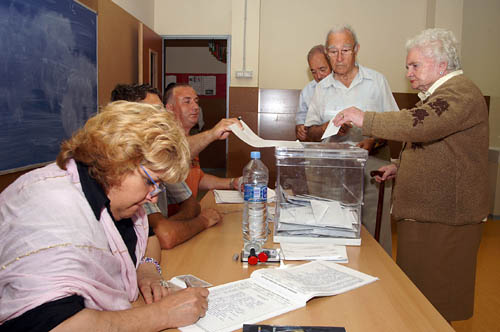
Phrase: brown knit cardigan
(443, 167)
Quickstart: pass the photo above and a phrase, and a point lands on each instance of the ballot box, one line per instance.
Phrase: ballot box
(319, 193)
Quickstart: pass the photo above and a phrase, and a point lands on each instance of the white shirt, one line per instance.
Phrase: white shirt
(369, 91)
(304, 100)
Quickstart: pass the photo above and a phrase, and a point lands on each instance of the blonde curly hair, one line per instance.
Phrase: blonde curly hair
(125, 135)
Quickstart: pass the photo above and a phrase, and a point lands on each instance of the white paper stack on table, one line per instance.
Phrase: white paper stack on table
(234, 196)
(316, 217)
(312, 251)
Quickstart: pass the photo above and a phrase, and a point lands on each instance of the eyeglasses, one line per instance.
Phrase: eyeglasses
(158, 187)
(335, 52)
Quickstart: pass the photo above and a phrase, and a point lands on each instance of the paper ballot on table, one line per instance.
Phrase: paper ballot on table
(249, 137)
(272, 292)
(330, 130)
(234, 196)
(314, 251)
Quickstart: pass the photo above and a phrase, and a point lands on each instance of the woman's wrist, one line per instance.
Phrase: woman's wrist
(152, 261)
(231, 183)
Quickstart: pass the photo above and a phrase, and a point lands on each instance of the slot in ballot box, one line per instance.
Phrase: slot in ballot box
(319, 193)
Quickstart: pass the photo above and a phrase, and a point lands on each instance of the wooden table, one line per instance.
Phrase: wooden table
(392, 303)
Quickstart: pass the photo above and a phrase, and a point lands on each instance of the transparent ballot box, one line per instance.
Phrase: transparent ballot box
(319, 193)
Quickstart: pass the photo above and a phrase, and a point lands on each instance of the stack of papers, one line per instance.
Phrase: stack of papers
(308, 251)
(309, 216)
(234, 196)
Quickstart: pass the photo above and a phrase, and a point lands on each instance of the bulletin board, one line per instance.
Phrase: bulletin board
(205, 85)
(48, 71)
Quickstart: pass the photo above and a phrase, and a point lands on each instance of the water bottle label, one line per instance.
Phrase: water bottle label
(255, 193)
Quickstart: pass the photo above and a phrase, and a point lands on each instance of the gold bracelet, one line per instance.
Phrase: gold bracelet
(231, 183)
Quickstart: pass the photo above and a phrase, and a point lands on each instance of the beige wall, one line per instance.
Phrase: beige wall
(481, 52)
(252, 48)
(290, 27)
(193, 60)
(193, 17)
(143, 10)
(280, 32)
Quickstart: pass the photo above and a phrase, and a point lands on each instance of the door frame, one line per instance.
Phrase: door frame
(228, 64)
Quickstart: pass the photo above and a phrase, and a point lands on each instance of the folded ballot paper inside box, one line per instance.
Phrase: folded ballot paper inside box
(319, 193)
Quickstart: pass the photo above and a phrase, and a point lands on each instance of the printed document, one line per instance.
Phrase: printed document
(272, 292)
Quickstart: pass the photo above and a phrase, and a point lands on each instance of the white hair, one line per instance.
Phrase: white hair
(340, 28)
(439, 44)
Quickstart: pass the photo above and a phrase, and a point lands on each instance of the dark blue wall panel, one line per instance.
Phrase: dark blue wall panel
(48, 77)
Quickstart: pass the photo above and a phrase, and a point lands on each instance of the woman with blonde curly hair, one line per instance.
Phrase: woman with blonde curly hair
(76, 247)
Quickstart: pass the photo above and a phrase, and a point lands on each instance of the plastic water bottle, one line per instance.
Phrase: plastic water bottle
(255, 178)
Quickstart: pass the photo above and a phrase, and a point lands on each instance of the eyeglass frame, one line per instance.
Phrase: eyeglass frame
(344, 51)
(159, 188)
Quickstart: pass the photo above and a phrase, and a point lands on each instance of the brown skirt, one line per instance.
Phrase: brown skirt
(441, 261)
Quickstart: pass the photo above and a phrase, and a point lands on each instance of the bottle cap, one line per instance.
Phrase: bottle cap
(255, 154)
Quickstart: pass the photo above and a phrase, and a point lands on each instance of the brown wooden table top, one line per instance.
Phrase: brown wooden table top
(392, 303)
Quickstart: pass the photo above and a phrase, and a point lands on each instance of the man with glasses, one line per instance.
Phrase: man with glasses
(320, 68)
(351, 84)
(171, 227)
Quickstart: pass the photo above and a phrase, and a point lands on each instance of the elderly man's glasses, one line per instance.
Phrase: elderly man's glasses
(335, 51)
(158, 187)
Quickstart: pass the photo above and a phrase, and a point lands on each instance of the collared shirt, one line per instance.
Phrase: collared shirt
(69, 250)
(98, 201)
(175, 193)
(304, 100)
(424, 95)
(369, 91)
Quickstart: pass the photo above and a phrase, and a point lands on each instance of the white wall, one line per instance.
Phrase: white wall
(143, 10)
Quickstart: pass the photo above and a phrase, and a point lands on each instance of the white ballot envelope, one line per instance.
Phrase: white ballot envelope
(330, 130)
(252, 139)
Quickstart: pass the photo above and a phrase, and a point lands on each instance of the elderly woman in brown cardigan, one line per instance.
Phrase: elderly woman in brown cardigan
(440, 199)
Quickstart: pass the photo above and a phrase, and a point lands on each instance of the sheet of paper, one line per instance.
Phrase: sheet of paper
(331, 214)
(317, 278)
(271, 292)
(234, 196)
(227, 196)
(231, 305)
(312, 251)
(330, 130)
(249, 137)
